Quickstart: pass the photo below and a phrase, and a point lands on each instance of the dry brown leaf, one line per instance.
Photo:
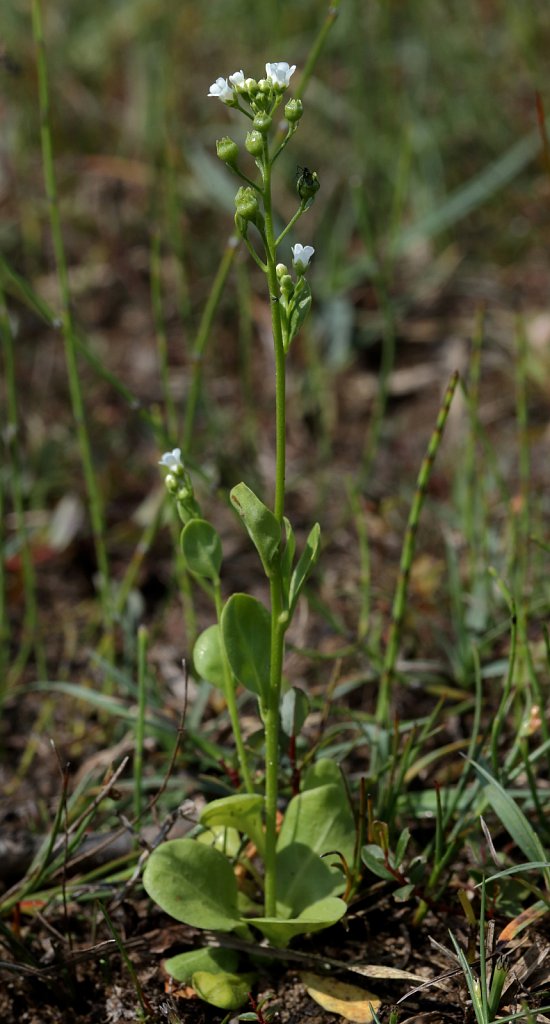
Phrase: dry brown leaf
(349, 1001)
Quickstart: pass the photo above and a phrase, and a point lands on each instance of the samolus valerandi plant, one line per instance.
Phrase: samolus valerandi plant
(290, 887)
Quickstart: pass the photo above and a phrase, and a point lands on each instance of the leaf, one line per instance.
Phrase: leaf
(401, 847)
(517, 869)
(208, 657)
(294, 711)
(243, 811)
(193, 883)
(373, 858)
(227, 840)
(303, 879)
(287, 556)
(323, 772)
(246, 631)
(18, 286)
(314, 918)
(404, 893)
(262, 526)
(306, 562)
(513, 819)
(202, 549)
(523, 920)
(316, 822)
(183, 965)
(348, 1001)
(301, 305)
(224, 990)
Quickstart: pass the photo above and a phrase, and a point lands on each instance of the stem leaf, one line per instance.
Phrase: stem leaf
(307, 560)
(208, 657)
(262, 526)
(246, 631)
(202, 549)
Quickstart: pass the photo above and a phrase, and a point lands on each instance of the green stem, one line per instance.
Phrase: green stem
(201, 342)
(407, 554)
(142, 644)
(317, 48)
(271, 716)
(160, 331)
(67, 325)
(301, 210)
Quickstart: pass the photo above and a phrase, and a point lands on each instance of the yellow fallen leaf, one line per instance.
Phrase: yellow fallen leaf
(348, 1001)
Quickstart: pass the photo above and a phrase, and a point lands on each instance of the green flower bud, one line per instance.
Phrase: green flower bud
(294, 110)
(264, 85)
(254, 143)
(251, 86)
(307, 183)
(227, 150)
(246, 203)
(281, 270)
(286, 286)
(262, 123)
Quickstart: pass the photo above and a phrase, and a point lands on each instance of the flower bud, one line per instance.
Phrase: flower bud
(281, 270)
(251, 86)
(262, 123)
(254, 143)
(286, 287)
(246, 203)
(227, 150)
(307, 183)
(294, 110)
(264, 86)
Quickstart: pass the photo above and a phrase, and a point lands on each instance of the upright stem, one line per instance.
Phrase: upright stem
(200, 343)
(271, 716)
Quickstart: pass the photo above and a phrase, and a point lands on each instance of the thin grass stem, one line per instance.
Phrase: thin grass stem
(401, 591)
(200, 343)
(142, 645)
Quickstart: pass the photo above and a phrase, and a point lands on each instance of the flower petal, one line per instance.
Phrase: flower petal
(279, 73)
(221, 90)
(172, 460)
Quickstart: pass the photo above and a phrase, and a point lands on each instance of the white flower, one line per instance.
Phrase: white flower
(172, 461)
(236, 79)
(279, 73)
(221, 90)
(301, 255)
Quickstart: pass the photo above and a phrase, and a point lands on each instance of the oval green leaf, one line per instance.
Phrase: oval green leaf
(294, 711)
(262, 526)
(208, 657)
(315, 918)
(183, 966)
(193, 883)
(246, 632)
(242, 811)
(202, 549)
(224, 990)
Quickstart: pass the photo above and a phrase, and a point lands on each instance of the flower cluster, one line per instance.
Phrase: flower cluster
(262, 95)
(251, 206)
(178, 484)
